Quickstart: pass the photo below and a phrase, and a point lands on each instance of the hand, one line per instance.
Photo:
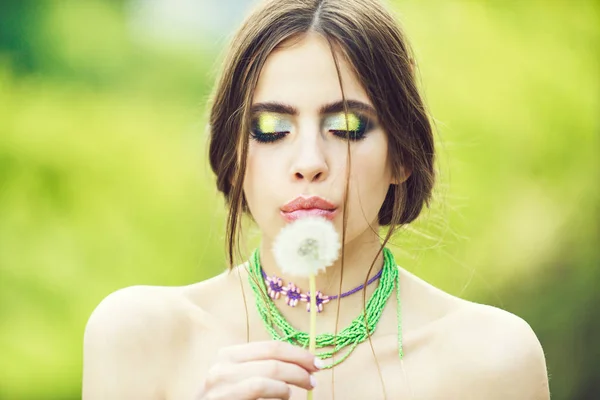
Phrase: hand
(259, 370)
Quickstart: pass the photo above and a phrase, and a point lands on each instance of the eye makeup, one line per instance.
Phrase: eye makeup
(352, 126)
(268, 127)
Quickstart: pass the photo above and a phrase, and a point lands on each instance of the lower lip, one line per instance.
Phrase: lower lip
(312, 212)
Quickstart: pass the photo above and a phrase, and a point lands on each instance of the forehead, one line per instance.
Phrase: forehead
(302, 73)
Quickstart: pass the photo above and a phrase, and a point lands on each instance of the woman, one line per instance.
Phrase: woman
(316, 113)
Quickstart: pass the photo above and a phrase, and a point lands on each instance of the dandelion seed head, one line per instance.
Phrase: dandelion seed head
(306, 246)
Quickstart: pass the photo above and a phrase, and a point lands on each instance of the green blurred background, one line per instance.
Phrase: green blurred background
(104, 181)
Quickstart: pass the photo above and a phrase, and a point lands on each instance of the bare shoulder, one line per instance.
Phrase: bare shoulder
(495, 353)
(481, 352)
(129, 341)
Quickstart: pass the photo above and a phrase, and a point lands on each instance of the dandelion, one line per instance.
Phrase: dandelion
(306, 246)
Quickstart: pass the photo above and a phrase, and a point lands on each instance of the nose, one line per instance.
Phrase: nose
(309, 162)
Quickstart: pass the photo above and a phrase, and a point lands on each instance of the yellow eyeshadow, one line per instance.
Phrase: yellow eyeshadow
(338, 122)
(268, 123)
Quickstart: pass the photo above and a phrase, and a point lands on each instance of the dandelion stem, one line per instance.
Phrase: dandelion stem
(312, 341)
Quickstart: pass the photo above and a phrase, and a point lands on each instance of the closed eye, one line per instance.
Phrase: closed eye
(351, 126)
(269, 127)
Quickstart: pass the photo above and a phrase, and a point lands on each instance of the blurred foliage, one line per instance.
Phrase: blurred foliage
(104, 181)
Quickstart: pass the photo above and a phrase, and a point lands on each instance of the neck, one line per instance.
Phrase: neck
(357, 259)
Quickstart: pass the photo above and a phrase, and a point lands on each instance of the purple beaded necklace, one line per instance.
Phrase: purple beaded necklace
(293, 293)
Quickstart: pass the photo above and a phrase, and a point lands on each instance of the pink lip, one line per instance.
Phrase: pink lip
(308, 206)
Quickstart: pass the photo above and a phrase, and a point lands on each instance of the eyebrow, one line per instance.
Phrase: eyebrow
(331, 108)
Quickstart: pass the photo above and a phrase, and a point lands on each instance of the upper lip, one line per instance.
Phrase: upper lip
(306, 203)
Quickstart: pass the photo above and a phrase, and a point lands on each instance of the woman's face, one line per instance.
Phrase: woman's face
(298, 147)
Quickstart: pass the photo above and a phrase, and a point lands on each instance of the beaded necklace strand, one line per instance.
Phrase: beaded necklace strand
(293, 294)
(352, 335)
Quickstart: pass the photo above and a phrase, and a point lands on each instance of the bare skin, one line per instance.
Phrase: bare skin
(167, 340)
(191, 343)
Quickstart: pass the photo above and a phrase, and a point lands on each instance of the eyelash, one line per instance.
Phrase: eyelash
(366, 125)
(267, 137)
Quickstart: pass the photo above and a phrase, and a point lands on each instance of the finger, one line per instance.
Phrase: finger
(260, 388)
(289, 373)
(269, 350)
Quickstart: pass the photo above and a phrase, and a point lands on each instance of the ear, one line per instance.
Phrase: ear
(404, 175)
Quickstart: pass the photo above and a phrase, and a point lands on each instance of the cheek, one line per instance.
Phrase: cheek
(260, 171)
(372, 176)
(250, 178)
(370, 165)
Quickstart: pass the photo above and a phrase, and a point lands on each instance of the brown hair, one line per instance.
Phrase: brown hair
(376, 48)
(373, 44)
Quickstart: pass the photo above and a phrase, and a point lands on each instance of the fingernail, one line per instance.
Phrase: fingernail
(313, 381)
(319, 363)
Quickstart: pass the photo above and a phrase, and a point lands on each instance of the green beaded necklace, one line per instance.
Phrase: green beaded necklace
(352, 335)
